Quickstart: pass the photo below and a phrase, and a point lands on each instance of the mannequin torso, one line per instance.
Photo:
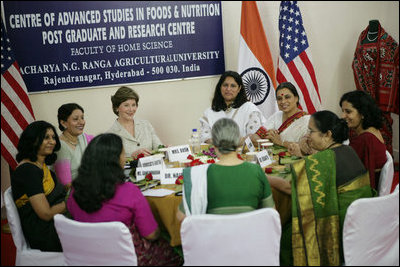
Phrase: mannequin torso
(373, 32)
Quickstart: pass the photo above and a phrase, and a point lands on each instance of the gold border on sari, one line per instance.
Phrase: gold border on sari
(329, 248)
(356, 183)
(48, 186)
(315, 240)
(316, 236)
(305, 245)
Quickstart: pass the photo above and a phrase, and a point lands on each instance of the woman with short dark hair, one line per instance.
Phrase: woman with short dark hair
(230, 101)
(36, 190)
(138, 136)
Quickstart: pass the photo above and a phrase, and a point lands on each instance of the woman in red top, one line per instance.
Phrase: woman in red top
(364, 118)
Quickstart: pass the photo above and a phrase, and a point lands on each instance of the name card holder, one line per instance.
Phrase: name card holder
(178, 153)
(170, 175)
(263, 158)
(249, 144)
(155, 161)
(141, 173)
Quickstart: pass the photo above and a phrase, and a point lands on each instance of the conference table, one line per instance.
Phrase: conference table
(164, 208)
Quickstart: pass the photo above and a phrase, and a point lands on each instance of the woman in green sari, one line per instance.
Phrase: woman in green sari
(323, 186)
(229, 186)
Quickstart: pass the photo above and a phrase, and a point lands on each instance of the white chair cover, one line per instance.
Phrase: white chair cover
(386, 176)
(24, 254)
(105, 243)
(250, 238)
(371, 231)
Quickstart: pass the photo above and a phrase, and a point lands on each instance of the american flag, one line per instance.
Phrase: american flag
(294, 63)
(16, 109)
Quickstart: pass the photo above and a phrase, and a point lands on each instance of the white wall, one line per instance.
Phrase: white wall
(174, 107)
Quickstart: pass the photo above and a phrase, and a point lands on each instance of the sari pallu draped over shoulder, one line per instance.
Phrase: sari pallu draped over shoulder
(319, 207)
(272, 123)
(291, 119)
(194, 190)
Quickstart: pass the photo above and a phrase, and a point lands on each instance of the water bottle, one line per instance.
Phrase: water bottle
(195, 142)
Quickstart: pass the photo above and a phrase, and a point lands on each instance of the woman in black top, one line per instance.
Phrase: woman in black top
(37, 192)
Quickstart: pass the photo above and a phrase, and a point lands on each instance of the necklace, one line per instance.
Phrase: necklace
(69, 141)
(372, 33)
(228, 109)
(334, 143)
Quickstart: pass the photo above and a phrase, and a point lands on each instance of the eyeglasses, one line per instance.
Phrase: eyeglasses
(312, 131)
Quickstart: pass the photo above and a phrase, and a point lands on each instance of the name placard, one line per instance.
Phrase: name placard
(170, 175)
(263, 158)
(178, 153)
(249, 144)
(142, 172)
(155, 162)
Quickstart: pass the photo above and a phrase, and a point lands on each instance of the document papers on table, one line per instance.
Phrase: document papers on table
(158, 192)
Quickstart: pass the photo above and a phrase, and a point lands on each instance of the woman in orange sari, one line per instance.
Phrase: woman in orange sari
(290, 123)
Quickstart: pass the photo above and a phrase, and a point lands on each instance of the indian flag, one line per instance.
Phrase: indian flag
(255, 62)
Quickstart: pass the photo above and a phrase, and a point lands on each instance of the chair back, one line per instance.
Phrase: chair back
(24, 254)
(14, 221)
(250, 238)
(371, 231)
(103, 243)
(386, 176)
